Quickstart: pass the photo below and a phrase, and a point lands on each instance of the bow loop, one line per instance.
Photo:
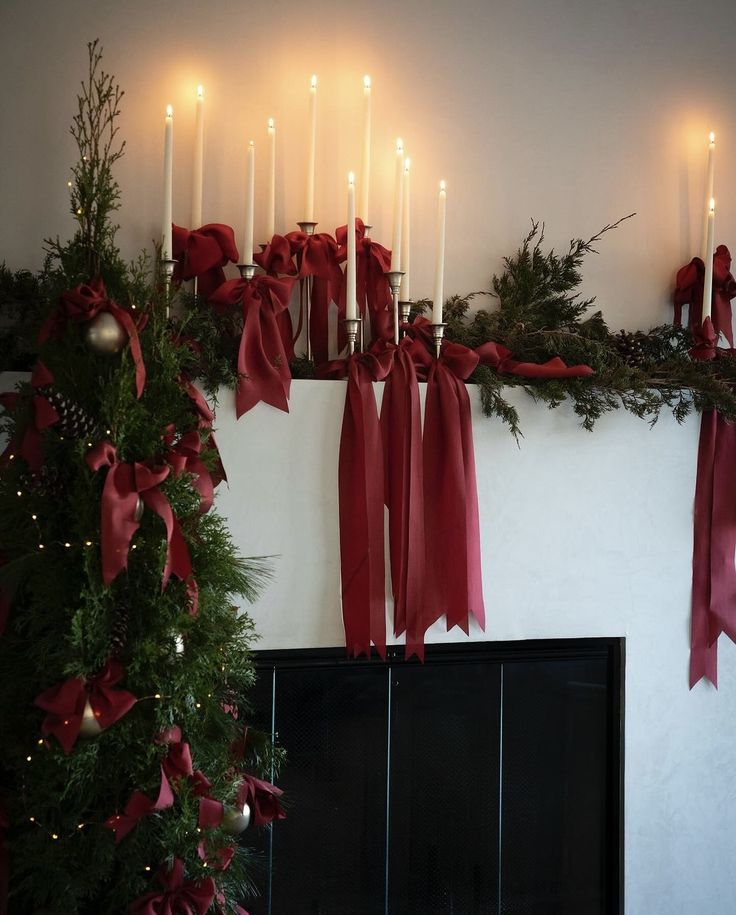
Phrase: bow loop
(202, 253)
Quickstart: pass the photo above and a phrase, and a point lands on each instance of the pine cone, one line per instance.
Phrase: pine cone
(630, 347)
(119, 637)
(45, 483)
(73, 422)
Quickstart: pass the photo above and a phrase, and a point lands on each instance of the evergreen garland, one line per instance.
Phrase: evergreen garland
(64, 622)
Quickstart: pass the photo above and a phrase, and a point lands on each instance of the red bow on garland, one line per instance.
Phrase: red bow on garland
(43, 415)
(140, 805)
(202, 253)
(184, 456)
(65, 703)
(263, 798)
(263, 365)
(371, 286)
(84, 303)
(317, 257)
(689, 291)
(123, 485)
(177, 764)
(276, 259)
(178, 897)
(361, 496)
(498, 357)
(206, 418)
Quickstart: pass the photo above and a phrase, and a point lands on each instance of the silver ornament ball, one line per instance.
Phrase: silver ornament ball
(139, 508)
(90, 726)
(235, 821)
(104, 334)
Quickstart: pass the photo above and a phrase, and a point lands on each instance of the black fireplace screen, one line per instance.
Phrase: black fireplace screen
(486, 781)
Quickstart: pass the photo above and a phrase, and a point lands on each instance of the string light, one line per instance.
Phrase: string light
(29, 758)
(19, 492)
(147, 867)
(54, 836)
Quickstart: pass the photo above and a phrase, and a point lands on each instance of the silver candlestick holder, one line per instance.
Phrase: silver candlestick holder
(247, 271)
(394, 281)
(404, 311)
(305, 289)
(168, 270)
(438, 332)
(352, 326)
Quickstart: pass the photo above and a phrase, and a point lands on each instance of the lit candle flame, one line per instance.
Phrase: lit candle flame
(169, 111)
(712, 206)
(270, 124)
(407, 165)
(351, 179)
(443, 186)
(200, 91)
(399, 145)
(712, 137)
(313, 84)
(251, 143)
(366, 82)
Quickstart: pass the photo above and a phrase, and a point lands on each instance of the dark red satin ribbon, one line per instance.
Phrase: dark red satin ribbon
(85, 302)
(263, 798)
(177, 764)
(29, 443)
(184, 456)
(139, 806)
(316, 257)
(401, 428)
(499, 358)
(202, 253)
(453, 583)
(361, 497)
(263, 365)
(178, 897)
(65, 702)
(123, 485)
(705, 342)
(206, 418)
(714, 543)
(277, 260)
(371, 286)
(689, 291)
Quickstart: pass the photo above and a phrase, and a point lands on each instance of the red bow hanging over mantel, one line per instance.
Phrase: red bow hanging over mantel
(124, 484)
(689, 291)
(65, 703)
(202, 253)
(361, 498)
(276, 259)
(401, 428)
(178, 896)
(371, 286)
(499, 357)
(316, 257)
(263, 365)
(85, 302)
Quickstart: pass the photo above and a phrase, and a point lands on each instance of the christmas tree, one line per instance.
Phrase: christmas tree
(127, 771)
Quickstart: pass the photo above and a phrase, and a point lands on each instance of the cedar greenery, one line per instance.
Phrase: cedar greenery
(65, 622)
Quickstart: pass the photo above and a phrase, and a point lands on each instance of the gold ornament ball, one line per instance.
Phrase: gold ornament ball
(90, 726)
(235, 821)
(104, 335)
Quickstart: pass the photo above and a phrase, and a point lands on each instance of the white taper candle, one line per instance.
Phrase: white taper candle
(311, 150)
(271, 199)
(166, 247)
(709, 242)
(250, 170)
(439, 276)
(198, 164)
(708, 190)
(398, 206)
(406, 233)
(365, 171)
(351, 302)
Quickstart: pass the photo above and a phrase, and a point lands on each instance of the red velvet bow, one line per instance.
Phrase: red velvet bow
(372, 289)
(202, 253)
(123, 485)
(361, 496)
(317, 257)
(140, 805)
(43, 415)
(263, 798)
(277, 260)
(206, 418)
(177, 764)
(85, 302)
(714, 543)
(689, 291)
(453, 583)
(498, 357)
(401, 427)
(65, 702)
(179, 897)
(263, 365)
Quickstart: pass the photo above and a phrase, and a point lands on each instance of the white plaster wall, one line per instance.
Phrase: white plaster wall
(582, 535)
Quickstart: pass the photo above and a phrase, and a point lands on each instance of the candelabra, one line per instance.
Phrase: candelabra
(305, 287)
(394, 281)
(352, 326)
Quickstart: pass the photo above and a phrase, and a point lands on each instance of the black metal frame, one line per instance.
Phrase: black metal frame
(612, 649)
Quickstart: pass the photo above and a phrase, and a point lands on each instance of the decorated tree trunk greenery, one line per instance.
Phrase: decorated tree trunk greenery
(124, 666)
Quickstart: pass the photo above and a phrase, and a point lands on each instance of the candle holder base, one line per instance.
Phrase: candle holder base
(438, 332)
(404, 311)
(307, 226)
(168, 265)
(247, 271)
(367, 230)
(394, 281)
(352, 325)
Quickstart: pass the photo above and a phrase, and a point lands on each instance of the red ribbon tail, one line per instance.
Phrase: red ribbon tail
(126, 320)
(178, 561)
(360, 480)
(318, 321)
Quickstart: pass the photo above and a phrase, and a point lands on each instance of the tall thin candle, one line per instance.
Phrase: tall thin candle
(198, 164)
(311, 150)
(439, 276)
(271, 199)
(708, 190)
(166, 246)
(365, 171)
(398, 206)
(709, 242)
(250, 169)
(406, 233)
(351, 302)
